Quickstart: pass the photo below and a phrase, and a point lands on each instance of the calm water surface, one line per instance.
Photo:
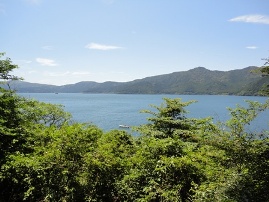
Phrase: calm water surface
(108, 111)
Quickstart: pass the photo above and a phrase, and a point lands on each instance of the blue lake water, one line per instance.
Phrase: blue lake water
(108, 111)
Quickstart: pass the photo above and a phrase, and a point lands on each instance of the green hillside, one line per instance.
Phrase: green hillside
(195, 81)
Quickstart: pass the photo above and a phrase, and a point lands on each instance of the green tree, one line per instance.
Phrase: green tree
(107, 165)
(11, 134)
(6, 67)
(46, 114)
(265, 68)
(21, 123)
(169, 120)
(168, 164)
(248, 154)
(264, 71)
(243, 162)
(53, 171)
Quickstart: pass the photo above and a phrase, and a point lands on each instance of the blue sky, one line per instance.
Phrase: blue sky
(67, 41)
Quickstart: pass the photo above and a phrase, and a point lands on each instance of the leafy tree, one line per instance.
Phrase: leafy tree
(54, 170)
(247, 152)
(107, 165)
(46, 114)
(11, 134)
(167, 165)
(265, 68)
(264, 71)
(161, 170)
(243, 166)
(169, 120)
(21, 120)
(6, 67)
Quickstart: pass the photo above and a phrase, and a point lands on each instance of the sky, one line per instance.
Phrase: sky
(66, 41)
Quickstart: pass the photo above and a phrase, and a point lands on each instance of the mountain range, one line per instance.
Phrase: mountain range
(195, 81)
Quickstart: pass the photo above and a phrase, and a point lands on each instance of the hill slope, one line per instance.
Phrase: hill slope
(195, 81)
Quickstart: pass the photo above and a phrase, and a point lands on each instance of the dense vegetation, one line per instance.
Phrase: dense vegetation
(46, 157)
(195, 81)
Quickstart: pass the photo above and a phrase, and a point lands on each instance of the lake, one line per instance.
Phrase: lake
(108, 111)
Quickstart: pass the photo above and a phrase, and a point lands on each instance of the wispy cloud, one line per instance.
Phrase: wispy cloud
(103, 47)
(47, 47)
(252, 47)
(46, 62)
(263, 19)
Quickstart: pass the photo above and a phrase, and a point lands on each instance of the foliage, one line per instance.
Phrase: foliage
(44, 113)
(168, 164)
(12, 135)
(265, 72)
(244, 159)
(107, 165)
(44, 156)
(6, 67)
(265, 67)
(247, 154)
(169, 120)
(52, 171)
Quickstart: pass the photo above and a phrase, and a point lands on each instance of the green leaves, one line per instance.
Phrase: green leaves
(46, 157)
(167, 120)
(44, 113)
(6, 67)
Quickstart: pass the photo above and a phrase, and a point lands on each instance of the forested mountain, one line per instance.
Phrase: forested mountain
(195, 81)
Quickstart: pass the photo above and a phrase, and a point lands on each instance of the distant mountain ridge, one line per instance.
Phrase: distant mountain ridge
(195, 81)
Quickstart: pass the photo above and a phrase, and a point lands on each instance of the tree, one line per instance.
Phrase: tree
(54, 170)
(168, 164)
(264, 71)
(248, 154)
(11, 134)
(18, 114)
(265, 68)
(106, 166)
(6, 67)
(167, 119)
(243, 163)
(46, 114)
(21, 123)
(170, 120)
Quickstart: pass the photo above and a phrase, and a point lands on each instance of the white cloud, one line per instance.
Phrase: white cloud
(47, 47)
(46, 62)
(97, 46)
(263, 19)
(252, 47)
